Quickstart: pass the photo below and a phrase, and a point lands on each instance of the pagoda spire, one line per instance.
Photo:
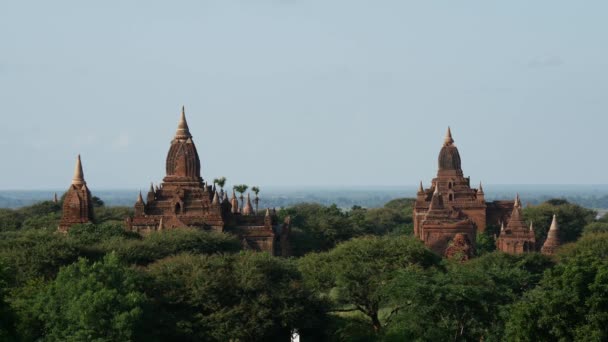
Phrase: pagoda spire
(183, 132)
(553, 241)
(140, 199)
(78, 173)
(420, 188)
(448, 138)
(517, 203)
(248, 210)
(480, 190)
(216, 200)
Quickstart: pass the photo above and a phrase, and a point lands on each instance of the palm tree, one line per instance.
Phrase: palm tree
(220, 182)
(241, 188)
(256, 191)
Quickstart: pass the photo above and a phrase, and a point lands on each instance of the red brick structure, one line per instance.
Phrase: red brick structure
(516, 237)
(185, 200)
(77, 204)
(553, 241)
(450, 206)
(460, 248)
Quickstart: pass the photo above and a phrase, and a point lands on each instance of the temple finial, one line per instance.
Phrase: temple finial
(78, 173)
(554, 225)
(448, 137)
(183, 132)
(420, 188)
(480, 188)
(140, 199)
(517, 203)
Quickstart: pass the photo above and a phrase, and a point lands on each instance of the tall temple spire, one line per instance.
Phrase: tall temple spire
(140, 199)
(183, 132)
(448, 138)
(78, 173)
(480, 190)
(248, 210)
(553, 240)
(517, 203)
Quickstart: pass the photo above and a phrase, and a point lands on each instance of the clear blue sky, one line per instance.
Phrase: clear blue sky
(304, 92)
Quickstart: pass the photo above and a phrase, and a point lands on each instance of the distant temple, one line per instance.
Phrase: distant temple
(553, 241)
(77, 204)
(450, 208)
(185, 200)
(516, 237)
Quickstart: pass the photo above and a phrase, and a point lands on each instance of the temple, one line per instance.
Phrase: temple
(552, 242)
(516, 237)
(77, 204)
(451, 207)
(184, 199)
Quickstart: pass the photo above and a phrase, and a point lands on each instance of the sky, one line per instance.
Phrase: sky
(303, 92)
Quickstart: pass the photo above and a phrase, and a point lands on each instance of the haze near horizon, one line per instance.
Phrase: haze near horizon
(303, 93)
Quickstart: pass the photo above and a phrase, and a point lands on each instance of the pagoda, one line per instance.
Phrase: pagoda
(516, 237)
(184, 199)
(77, 204)
(450, 206)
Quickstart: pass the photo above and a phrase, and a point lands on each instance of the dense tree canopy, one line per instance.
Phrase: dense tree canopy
(100, 301)
(358, 275)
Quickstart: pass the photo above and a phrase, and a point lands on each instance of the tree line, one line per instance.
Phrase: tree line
(356, 275)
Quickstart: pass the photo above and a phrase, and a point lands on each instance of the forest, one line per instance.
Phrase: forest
(356, 275)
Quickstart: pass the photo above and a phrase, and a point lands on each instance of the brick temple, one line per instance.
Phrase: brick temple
(451, 207)
(77, 204)
(184, 199)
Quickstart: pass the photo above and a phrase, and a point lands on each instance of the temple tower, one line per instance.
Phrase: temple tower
(77, 205)
(516, 237)
(553, 241)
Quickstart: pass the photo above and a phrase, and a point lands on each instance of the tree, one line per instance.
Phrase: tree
(241, 188)
(571, 218)
(595, 227)
(571, 301)
(221, 182)
(7, 317)
(357, 273)
(256, 190)
(36, 253)
(245, 297)
(464, 301)
(101, 301)
(159, 245)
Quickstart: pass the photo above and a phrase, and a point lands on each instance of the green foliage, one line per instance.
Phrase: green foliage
(7, 318)
(241, 188)
(245, 297)
(101, 301)
(595, 245)
(43, 215)
(221, 182)
(596, 227)
(485, 244)
(112, 214)
(465, 300)
(320, 228)
(571, 218)
(89, 233)
(357, 272)
(571, 302)
(36, 253)
(158, 245)
(10, 220)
